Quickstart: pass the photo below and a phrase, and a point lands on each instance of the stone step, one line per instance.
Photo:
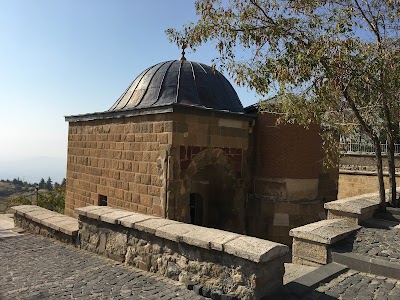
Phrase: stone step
(381, 223)
(312, 242)
(366, 264)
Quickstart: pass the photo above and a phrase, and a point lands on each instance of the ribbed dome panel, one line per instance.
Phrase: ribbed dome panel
(181, 82)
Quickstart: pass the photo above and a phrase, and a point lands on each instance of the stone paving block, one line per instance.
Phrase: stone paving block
(113, 217)
(255, 249)
(151, 225)
(174, 232)
(131, 220)
(325, 231)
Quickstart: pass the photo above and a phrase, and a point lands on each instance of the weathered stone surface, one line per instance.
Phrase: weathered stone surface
(255, 249)
(40, 218)
(325, 231)
(174, 232)
(114, 216)
(145, 247)
(310, 251)
(21, 209)
(84, 210)
(208, 238)
(151, 225)
(97, 213)
(356, 205)
(45, 222)
(131, 220)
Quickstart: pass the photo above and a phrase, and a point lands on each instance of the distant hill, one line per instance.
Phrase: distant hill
(10, 190)
(33, 169)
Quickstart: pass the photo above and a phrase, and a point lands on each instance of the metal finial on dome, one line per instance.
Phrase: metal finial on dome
(184, 46)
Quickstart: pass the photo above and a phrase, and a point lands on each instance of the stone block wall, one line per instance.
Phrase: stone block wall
(206, 146)
(358, 175)
(123, 159)
(233, 264)
(353, 183)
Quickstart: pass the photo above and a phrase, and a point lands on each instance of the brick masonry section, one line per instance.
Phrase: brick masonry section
(123, 159)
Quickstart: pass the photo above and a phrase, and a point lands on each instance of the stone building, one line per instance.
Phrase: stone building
(179, 144)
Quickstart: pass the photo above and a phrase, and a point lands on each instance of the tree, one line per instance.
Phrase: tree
(64, 182)
(49, 184)
(42, 184)
(340, 59)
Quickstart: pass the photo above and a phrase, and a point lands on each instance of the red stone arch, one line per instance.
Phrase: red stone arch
(212, 177)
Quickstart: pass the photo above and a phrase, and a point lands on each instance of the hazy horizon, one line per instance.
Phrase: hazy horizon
(61, 58)
(33, 169)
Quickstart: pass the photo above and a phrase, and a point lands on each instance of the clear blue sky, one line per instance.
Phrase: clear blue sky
(62, 57)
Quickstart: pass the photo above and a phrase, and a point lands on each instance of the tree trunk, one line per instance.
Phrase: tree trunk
(392, 172)
(378, 155)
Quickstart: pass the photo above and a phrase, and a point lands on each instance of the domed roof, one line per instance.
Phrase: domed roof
(179, 82)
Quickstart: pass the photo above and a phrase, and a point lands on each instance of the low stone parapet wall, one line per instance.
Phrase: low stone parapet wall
(247, 267)
(45, 222)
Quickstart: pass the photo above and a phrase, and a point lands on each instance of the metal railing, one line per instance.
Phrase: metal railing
(366, 148)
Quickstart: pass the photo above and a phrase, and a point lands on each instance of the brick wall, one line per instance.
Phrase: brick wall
(287, 186)
(286, 151)
(123, 159)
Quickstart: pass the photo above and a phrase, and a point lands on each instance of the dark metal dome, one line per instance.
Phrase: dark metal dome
(179, 82)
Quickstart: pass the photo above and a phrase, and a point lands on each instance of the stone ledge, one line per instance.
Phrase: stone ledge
(53, 220)
(325, 232)
(249, 248)
(304, 285)
(372, 265)
(355, 205)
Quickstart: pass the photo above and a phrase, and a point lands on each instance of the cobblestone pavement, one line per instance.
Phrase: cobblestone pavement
(373, 242)
(34, 267)
(356, 285)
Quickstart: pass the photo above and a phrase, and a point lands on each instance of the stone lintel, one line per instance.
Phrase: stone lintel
(325, 232)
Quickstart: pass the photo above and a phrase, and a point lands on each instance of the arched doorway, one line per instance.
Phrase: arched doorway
(214, 192)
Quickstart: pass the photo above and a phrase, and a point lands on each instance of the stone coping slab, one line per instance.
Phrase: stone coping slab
(356, 205)
(249, 248)
(326, 231)
(48, 218)
(114, 216)
(22, 209)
